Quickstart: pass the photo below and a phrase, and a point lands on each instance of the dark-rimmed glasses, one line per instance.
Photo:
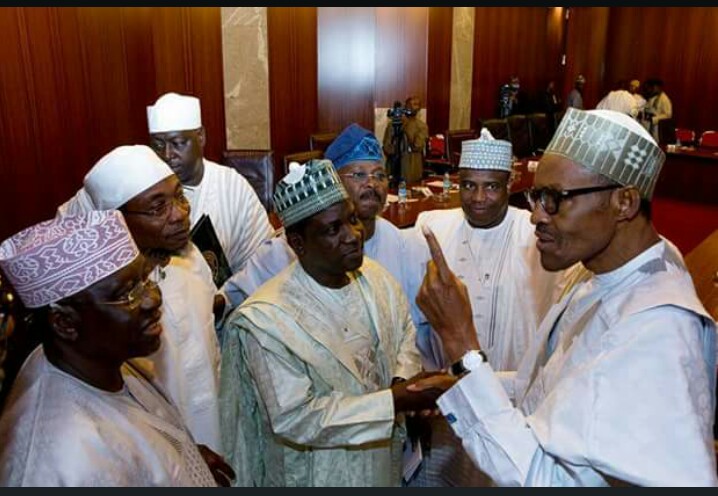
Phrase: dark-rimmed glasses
(550, 199)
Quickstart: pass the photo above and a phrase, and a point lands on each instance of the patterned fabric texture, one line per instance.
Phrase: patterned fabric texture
(307, 190)
(486, 153)
(611, 144)
(354, 144)
(60, 257)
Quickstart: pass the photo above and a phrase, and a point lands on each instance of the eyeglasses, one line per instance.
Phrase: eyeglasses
(134, 296)
(363, 176)
(550, 199)
(163, 209)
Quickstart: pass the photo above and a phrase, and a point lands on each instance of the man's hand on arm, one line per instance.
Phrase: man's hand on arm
(446, 304)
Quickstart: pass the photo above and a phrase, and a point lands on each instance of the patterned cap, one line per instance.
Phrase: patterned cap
(486, 153)
(307, 190)
(354, 144)
(122, 174)
(60, 257)
(612, 144)
(173, 112)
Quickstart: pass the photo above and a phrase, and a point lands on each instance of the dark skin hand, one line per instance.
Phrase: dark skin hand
(218, 307)
(408, 402)
(221, 471)
(445, 301)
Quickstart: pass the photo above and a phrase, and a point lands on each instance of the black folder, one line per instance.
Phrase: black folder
(205, 238)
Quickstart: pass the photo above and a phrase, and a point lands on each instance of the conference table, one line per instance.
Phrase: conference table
(404, 215)
(689, 174)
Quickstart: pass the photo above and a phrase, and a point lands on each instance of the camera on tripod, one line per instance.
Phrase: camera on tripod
(397, 112)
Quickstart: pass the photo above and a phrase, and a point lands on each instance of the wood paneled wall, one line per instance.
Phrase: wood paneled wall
(401, 54)
(75, 83)
(585, 52)
(676, 44)
(511, 41)
(292, 34)
(346, 46)
(438, 79)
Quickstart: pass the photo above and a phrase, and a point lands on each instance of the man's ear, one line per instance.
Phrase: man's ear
(627, 202)
(201, 138)
(64, 322)
(296, 241)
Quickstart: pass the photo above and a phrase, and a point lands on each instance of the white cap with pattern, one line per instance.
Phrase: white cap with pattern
(307, 190)
(486, 153)
(612, 144)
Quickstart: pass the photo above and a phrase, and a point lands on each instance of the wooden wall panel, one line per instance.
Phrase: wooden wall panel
(676, 44)
(347, 63)
(292, 34)
(438, 78)
(509, 40)
(586, 49)
(74, 83)
(188, 59)
(401, 54)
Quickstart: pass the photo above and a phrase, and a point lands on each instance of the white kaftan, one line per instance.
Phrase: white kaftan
(623, 391)
(57, 430)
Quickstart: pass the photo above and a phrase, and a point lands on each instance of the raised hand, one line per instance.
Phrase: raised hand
(446, 304)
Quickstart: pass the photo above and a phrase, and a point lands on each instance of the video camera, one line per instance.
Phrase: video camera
(397, 111)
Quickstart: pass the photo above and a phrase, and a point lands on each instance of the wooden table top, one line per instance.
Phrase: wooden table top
(405, 215)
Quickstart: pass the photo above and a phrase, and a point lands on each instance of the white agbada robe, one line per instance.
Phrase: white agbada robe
(305, 380)
(510, 293)
(187, 364)
(387, 246)
(660, 108)
(57, 430)
(620, 101)
(236, 212)
(501, 268)
(627, 393)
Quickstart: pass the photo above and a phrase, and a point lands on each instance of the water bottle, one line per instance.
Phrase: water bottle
(446, 185)
(402, 192)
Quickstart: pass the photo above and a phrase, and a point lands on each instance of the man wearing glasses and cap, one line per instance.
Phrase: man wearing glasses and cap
(134, 180)
(357, 156)
(490, 246)
(81, 412)
(316, 362)
(618, 387)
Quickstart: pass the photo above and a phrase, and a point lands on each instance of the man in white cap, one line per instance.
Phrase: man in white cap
(178, 137)
(490, 246)
(136, 181)
(620, 100)
(619, 385)
(357, 156)
(80, 412)
(314, 361)
(575, 96)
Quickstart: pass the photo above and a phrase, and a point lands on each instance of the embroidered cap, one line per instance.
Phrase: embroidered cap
(122, 174)
(60, 257)
(486, 153)
(306, 190)
(612, 144)
(174, 112)
(353, 144)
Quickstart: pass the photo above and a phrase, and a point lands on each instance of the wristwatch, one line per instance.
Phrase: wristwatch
(468, 362)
